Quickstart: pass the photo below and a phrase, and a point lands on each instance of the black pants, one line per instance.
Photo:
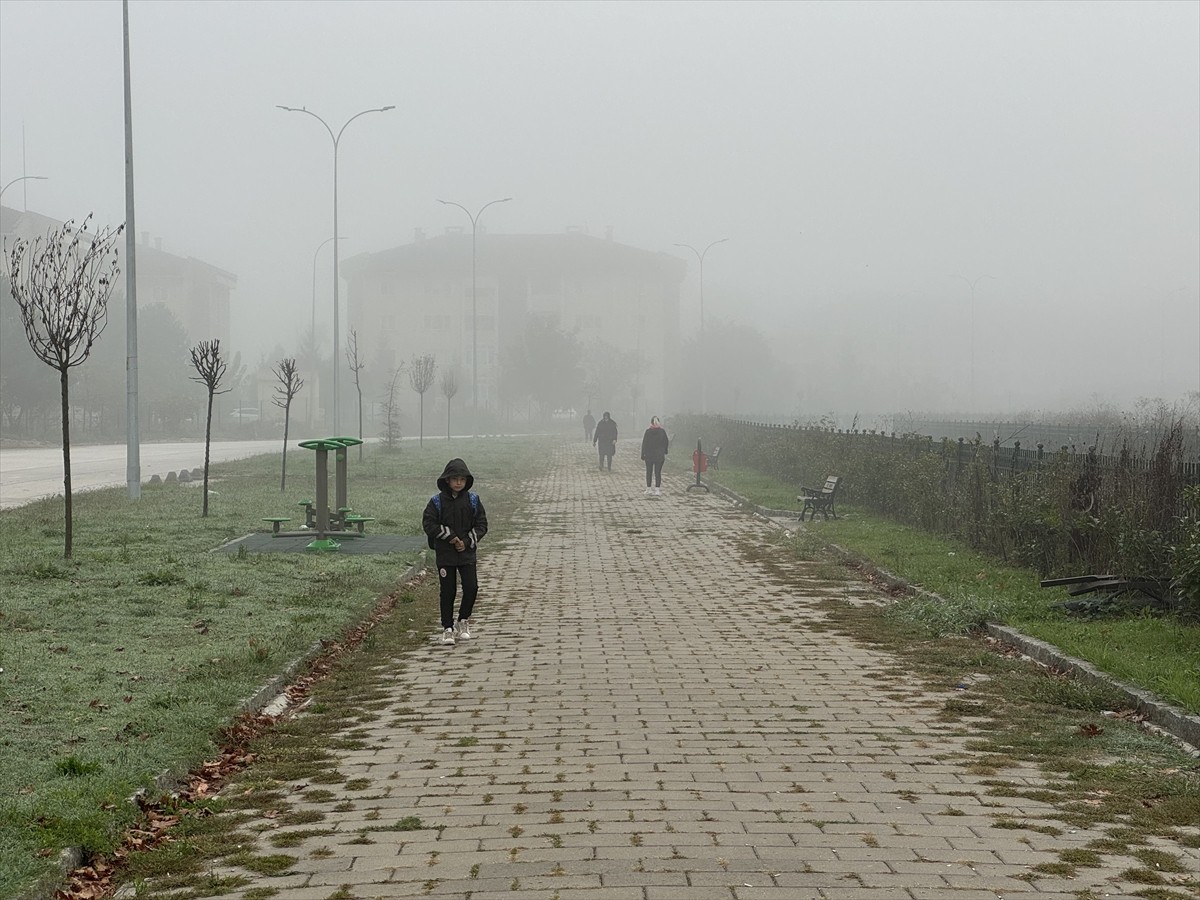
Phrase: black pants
(654, 469)
(607, 449)
(447, 586)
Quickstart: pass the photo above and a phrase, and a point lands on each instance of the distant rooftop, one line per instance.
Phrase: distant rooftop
(572, 251)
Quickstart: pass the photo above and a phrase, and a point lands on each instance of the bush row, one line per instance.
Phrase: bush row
(1063, 514)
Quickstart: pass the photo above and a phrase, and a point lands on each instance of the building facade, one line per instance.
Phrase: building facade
(417, 299)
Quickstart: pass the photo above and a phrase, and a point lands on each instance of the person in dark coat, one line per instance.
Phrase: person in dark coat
(589, 424)
(605, 439)
(654, 452)
(455, 522)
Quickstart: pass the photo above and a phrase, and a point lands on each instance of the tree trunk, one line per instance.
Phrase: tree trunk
(287, 410)
(421, 441)
(207, 441)
(66, 441)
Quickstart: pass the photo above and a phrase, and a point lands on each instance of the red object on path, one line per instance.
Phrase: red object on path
(699, 461)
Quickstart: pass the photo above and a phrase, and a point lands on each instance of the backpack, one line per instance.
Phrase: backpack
(436, 500)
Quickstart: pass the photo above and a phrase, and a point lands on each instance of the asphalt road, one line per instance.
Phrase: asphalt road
(27, 475)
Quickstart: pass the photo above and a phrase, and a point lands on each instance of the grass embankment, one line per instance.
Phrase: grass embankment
(123, 662)
(1157, 653)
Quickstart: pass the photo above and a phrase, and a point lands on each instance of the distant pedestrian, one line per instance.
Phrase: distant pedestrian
(654, 452)
(605, 439)
(454, 521)
(589, 424)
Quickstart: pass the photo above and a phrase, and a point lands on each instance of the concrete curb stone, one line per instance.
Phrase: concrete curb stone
(71, 858)
(1171, 719)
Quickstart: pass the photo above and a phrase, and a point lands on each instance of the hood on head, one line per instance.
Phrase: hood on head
(455, 467)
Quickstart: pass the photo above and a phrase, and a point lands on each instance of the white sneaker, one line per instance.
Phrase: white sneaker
(658, 492)
(649, 492)
(464, 629)
(448, 636)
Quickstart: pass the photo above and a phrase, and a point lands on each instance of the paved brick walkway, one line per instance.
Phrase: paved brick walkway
(634, 722)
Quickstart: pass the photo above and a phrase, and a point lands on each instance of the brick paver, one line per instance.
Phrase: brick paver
(635, 722)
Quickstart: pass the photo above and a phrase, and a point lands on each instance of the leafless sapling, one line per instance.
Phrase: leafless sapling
(289, 386)
(62, 283)
(210, 369)
(449, 385)
(356, 365)
(420, 376)
(391, 410)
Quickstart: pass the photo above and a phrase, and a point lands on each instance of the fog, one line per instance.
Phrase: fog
(865, 161)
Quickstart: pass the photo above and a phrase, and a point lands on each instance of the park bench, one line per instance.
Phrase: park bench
(819, 499)
(714, 457)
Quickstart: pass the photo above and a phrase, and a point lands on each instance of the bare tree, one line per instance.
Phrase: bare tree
(449, 385)
(210, 369)
(62, 283)
(356, 365)
(391, 411)
(420, 376)
(289, 386)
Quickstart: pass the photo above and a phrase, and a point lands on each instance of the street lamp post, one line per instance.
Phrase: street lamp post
(336, 138)
(320, 247)
(316, 347)
(971, 395)
(22, 178)
(703, 367)
(474, 307)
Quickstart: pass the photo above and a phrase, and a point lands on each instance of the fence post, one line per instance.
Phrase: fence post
(1016, 459)
(959, 459)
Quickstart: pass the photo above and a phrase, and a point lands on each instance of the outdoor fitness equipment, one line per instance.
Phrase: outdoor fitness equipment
(322, 447)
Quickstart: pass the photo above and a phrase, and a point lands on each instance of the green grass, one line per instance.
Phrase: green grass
(1160, 654)
(123, 662)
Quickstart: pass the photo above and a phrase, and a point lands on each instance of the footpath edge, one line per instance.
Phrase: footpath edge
(1174, 720)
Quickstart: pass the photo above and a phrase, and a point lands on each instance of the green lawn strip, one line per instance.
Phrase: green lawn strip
(1161, 654)
(123, 662)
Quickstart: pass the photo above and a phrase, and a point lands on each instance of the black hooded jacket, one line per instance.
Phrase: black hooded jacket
(447, 516)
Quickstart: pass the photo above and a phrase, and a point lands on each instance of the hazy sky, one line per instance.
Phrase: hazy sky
(858, 156)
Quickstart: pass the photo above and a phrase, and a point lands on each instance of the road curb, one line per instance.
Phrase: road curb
(71, 858)
(1170, 718)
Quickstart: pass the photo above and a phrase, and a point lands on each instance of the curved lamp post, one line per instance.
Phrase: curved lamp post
(336, 138)
(474, 306)
(320, 247)
(23, 178)
(971, 284)
(703, 368)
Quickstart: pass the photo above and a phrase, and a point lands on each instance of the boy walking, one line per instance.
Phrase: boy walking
(454, 521)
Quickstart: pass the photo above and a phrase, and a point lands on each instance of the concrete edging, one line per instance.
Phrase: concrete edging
(1172, 719)
(1169, 718)
(71, 858)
